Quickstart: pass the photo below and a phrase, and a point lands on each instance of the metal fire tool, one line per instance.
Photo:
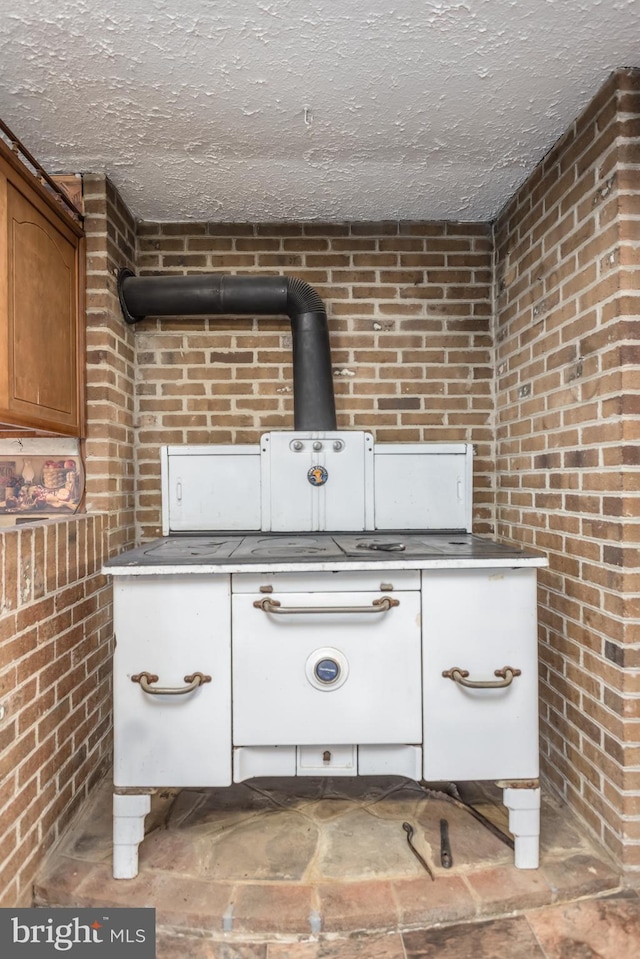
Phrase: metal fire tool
(455, 799)
(445, 846)
(408, 828)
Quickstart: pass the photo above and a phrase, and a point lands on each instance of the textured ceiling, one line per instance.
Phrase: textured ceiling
(260, 110)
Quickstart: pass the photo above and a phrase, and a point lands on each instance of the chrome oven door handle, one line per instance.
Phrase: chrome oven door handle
(268, 605)
(459, 676)
(146, 679)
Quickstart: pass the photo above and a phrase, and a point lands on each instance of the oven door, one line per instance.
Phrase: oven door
(318, 667)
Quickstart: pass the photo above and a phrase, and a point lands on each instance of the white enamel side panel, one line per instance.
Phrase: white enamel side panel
(423, 486)
(342, 463)
(172, 627)
(211, 488)
(480, 621)
(376, 698)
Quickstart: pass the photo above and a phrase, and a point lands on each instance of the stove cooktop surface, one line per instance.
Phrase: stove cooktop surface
(278, 548)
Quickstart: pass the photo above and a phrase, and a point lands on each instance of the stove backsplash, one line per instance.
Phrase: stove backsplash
(298, 481)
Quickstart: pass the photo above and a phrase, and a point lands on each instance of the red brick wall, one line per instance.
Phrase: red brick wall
(409, 307)
(109, 445)
(55, 626)
(567, 375)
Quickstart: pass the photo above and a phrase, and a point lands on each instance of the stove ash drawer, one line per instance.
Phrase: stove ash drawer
(252, 761)
(326, 667)
(319, 760)
(327, 760)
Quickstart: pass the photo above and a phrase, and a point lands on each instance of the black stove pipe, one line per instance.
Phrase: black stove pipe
(222, 294)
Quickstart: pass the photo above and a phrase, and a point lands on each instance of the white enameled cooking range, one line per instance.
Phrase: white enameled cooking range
(318, 606)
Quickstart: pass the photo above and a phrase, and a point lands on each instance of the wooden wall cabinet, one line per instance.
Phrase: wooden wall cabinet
(41, 308)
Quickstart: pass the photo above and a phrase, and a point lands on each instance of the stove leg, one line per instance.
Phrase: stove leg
(129, 812)
(524, 824)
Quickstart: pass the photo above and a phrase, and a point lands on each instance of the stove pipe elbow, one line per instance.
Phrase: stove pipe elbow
(222, 294)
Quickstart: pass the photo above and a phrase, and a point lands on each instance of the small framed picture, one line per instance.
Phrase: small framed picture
(41, 485)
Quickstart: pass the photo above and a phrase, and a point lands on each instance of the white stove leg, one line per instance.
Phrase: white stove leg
(129, 812)
(524, 824)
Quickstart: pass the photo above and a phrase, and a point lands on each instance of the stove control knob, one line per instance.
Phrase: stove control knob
(297, 445)
(327, 671)
(317, 445)
(338, 445)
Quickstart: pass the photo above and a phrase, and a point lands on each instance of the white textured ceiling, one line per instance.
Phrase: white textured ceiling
(258, 110)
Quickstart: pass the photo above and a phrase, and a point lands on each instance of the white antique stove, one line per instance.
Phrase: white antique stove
(318, 606)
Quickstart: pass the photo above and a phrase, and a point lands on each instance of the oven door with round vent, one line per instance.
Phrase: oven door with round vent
(318, 667)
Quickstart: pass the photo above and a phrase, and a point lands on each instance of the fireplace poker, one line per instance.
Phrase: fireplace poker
(408, 828)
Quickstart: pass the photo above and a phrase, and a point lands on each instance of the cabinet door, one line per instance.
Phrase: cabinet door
(423, 486)
(172, 627)
(215, 490)
(39, 317)
(480, 620)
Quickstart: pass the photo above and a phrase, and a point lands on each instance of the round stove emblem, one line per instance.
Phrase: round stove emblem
(317, 475)
(327, 670)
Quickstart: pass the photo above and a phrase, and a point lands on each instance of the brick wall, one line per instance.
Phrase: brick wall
(56, 614)
(110, 231)
(409, 308)
(55, 625)
(567, 379)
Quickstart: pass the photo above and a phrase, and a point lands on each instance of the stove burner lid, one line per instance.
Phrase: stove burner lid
(284, 547)
(200, 547)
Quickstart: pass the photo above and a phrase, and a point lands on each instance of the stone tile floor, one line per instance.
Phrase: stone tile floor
(320, 868)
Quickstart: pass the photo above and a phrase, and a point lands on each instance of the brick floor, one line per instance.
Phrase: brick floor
(589, 929)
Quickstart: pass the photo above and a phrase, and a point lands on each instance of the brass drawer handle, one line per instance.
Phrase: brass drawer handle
(269, 605)
(508, 673)
(145, 680)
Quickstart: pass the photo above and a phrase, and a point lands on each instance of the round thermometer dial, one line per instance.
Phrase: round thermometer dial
(327, 668)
